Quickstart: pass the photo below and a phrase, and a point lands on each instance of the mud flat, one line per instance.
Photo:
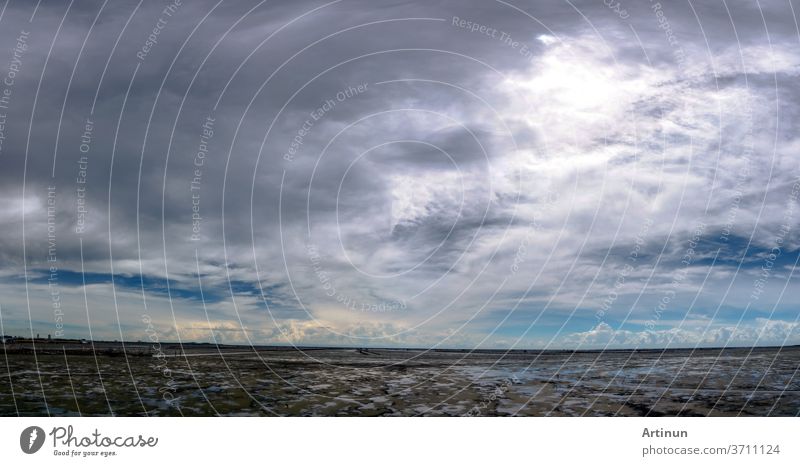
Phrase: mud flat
(205, 380)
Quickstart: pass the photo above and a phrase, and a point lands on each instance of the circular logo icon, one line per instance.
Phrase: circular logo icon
(31, 439)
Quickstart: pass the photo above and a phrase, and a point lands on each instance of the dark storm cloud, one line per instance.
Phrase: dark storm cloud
(402, 139)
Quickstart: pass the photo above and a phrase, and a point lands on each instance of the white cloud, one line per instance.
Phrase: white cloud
(689, 334)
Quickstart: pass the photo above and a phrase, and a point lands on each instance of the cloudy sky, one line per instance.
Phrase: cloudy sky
(573, 174)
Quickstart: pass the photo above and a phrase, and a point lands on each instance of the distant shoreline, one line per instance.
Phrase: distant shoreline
(19, 345)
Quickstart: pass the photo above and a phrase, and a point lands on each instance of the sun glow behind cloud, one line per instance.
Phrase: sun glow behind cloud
(499, 202)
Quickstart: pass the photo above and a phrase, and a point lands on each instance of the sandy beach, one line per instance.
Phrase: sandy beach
(203, 380)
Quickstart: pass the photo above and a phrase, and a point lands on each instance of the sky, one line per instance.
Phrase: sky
(448, 174)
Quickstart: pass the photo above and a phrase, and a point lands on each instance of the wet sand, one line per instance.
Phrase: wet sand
(200, 381)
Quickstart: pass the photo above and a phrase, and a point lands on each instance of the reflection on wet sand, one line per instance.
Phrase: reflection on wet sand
(203, 380)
